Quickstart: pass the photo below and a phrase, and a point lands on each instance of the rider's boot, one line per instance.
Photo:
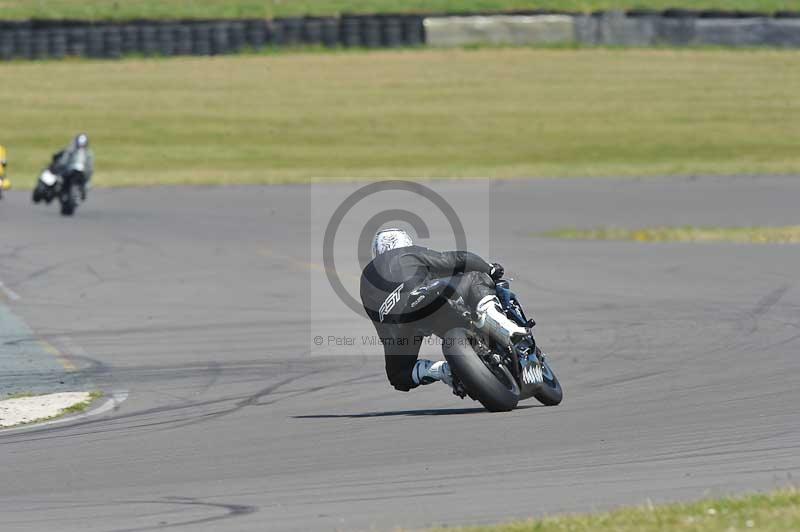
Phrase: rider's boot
(493, 320)
(427, 371)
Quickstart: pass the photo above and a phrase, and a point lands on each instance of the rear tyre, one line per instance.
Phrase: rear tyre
(480, 382)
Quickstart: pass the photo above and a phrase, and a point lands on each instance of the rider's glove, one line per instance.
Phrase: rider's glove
(496, 272)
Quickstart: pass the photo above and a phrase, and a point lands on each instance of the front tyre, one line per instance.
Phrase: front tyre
(480, 382)
(69, 200)
(38, 193)
(549, 392)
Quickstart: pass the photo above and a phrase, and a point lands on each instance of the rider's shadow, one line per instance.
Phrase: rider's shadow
(422, 412)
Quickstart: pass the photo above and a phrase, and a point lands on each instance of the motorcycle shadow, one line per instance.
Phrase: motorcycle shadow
(421, 412)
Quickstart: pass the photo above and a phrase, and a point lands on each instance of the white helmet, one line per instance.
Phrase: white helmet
(387, 239)
(81, 140)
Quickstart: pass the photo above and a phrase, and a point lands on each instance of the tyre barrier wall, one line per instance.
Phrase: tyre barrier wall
(616, 28)
(41, 39)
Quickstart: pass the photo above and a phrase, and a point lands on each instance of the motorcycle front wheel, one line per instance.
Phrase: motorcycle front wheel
(549, 392)
(38, 193)
(496, 390)
(69, 200)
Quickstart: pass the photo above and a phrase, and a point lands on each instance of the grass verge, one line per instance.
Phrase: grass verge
(132, 9)
(80, 407)
(413, 113)
(18, 395)
(21, 415)
(741, 235)
(775, 511)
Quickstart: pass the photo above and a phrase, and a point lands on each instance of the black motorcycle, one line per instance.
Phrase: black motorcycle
(495, 375)
(68, 187)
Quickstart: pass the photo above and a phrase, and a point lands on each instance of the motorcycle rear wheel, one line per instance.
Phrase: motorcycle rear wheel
(480, 382)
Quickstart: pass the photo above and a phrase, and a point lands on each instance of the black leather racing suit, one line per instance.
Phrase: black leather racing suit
(396, 290)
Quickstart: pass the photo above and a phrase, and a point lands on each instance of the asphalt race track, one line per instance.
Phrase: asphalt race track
(198, 307)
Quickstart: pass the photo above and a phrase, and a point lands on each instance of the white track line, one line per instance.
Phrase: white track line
(10, 294)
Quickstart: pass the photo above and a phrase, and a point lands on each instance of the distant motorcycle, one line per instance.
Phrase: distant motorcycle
(5, 183)
(67, 187)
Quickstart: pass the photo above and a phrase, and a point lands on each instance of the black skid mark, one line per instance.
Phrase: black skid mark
(230, 511)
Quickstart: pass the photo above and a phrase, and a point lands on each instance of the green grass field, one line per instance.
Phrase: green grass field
(739, 235)
(776, 511)
(103, 9)
(413, 113)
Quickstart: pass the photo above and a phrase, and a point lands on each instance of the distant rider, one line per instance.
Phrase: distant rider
(5, 184)
(393, 287)
(77, 158)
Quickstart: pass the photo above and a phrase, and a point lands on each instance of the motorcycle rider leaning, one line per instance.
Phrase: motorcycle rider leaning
(76, 157)
(399, 278)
